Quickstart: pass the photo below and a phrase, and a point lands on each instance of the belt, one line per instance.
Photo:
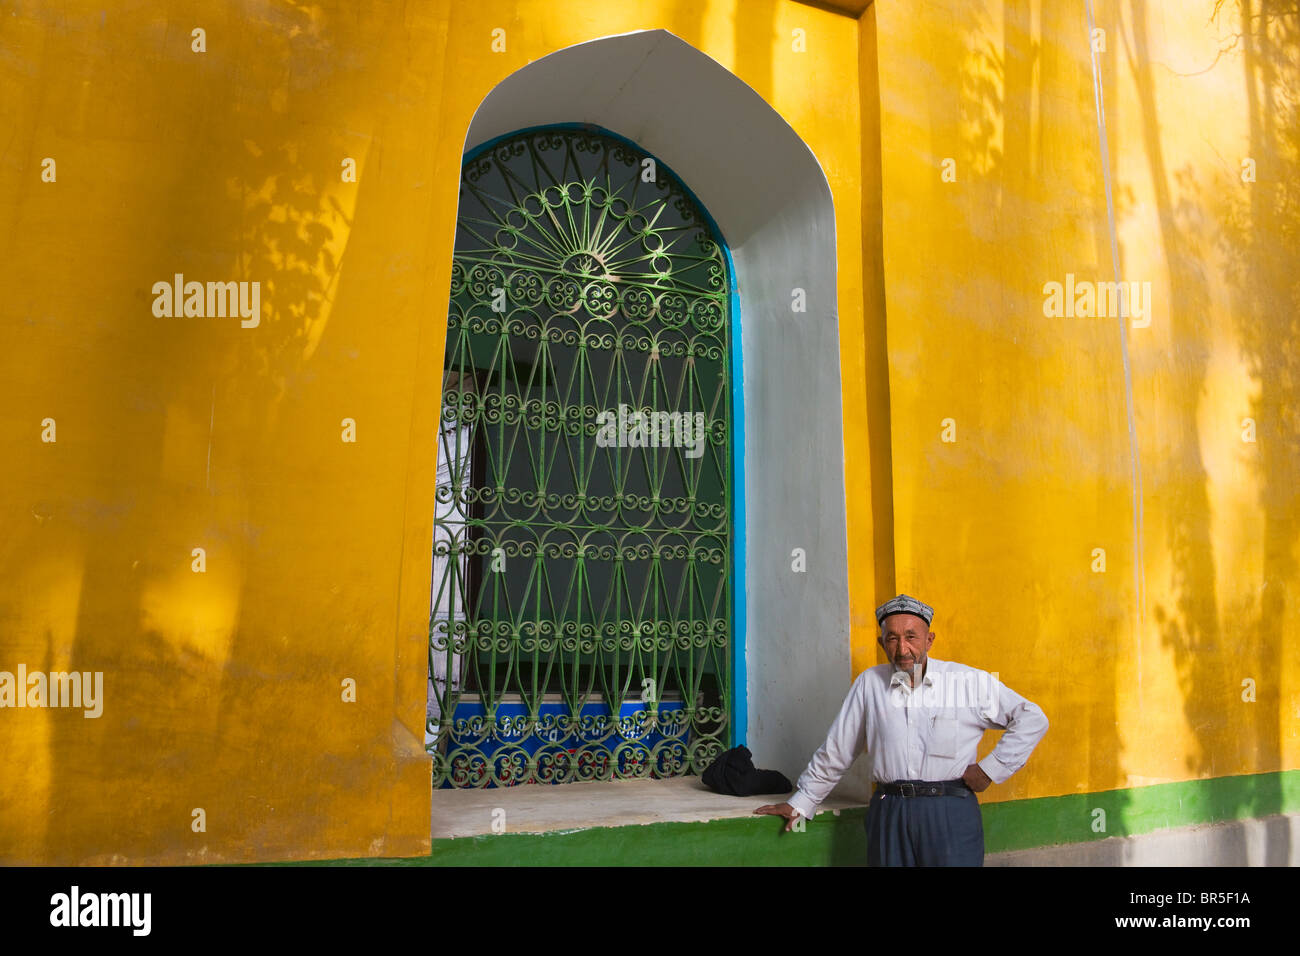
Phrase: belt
(925, 788)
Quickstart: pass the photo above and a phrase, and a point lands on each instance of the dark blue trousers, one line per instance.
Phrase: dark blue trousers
(925, 831)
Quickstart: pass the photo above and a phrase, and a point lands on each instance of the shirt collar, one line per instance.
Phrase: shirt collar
(900, 679)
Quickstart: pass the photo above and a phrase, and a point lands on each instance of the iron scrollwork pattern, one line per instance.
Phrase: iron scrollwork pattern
(581, 617)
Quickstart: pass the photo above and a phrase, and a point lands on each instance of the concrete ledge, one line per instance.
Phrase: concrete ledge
(536, 808)
(1267, 841)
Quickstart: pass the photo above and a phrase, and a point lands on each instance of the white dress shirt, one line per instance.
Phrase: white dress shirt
(930, 733)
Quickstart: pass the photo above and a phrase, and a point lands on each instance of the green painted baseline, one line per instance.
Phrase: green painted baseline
(832, 840)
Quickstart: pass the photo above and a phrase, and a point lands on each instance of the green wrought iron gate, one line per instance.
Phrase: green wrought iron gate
(581, 610)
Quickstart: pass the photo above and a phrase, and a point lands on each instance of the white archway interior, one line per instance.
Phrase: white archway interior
(769, 197)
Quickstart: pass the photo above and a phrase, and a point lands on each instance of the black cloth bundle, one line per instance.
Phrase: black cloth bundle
(734, 773)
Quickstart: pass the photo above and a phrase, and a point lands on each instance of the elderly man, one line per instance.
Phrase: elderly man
(921, 719)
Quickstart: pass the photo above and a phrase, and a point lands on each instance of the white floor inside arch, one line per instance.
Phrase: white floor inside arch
(539, 808)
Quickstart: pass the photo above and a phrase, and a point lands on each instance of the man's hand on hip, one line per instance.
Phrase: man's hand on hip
(781, 810)
(976, 778)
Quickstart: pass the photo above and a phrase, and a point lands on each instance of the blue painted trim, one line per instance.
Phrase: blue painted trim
(739, 685)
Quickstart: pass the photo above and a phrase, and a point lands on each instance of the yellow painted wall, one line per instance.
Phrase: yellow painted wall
(223, 688)
(1140, 668)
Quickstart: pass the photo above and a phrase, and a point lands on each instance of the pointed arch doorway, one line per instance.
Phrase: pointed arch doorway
(772, 202)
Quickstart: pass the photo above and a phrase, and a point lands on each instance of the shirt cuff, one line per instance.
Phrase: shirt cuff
(995, 769)
(803, 804)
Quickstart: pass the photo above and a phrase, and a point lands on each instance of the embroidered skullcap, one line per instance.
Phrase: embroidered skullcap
(904, 605)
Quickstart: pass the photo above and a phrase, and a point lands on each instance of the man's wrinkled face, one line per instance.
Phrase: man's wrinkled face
(906, 640)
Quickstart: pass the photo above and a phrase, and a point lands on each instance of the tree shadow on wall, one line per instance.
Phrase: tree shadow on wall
(1254, 231)
(1259, 238)
(1192, 629)
(289, 238)
(1015, 172)
(150, 620)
